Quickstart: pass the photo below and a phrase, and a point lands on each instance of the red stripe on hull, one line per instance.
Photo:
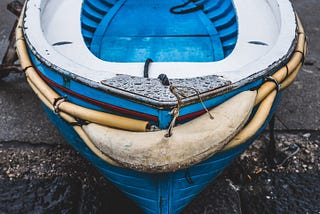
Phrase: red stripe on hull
(116, 108)
(97, 102)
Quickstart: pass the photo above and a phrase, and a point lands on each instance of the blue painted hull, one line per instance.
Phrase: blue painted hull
(158, 193)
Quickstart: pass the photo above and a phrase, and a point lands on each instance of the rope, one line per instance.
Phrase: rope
(303, 56)
(178, 93)
(164, 79)
(287, 71)
(146, 68)
(78, 122)
(272, 79)
(294, 147)
(200, 98)
(26, 68)
(190, 10)
(57, 102)
(175, 111)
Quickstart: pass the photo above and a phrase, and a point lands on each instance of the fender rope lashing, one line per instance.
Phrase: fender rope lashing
(57, 102)
(302, 53)
(198, 95)
(175, 111)
(287, 71)
(26, 68)
(276, 82)
(178, 92)
(78, 122)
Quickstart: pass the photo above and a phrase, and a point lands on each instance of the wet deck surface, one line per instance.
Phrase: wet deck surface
(40, 173)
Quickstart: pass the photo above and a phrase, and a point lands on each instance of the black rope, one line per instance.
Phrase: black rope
(164, 79)
(26, 68)
(278, 157)
(190, 10)
(302, 53)
(271, 79)
(271, 146)
(57, 102)
(287, 71)
(79, 122)
(146, 68)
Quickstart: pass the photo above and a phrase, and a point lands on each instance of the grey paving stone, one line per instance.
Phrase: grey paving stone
(299, 106)
(21, 116)
(53, 195)
(219, 197)
(282, 193)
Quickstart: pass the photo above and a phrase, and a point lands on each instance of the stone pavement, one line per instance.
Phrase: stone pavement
(40, 173)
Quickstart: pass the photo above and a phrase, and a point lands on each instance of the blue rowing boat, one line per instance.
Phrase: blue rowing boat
(161, 96)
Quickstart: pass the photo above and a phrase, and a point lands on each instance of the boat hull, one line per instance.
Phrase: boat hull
(72, 101)
(161, 192)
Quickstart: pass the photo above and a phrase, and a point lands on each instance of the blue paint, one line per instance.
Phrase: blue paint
(90, 92)
(89, 24)
(159, 193)
(103, 25)
(90, 13)
(91, 16)
(209, 35)
(134, 30)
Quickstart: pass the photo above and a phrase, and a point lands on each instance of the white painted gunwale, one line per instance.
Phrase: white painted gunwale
(270, 21)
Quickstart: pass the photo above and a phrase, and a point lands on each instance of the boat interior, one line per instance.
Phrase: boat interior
(100, 39)
(172, 31)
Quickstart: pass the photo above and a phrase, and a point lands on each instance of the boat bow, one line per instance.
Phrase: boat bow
(189, 144)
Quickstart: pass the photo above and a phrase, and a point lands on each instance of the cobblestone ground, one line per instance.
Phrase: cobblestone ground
(45, 178)
(40, 173)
